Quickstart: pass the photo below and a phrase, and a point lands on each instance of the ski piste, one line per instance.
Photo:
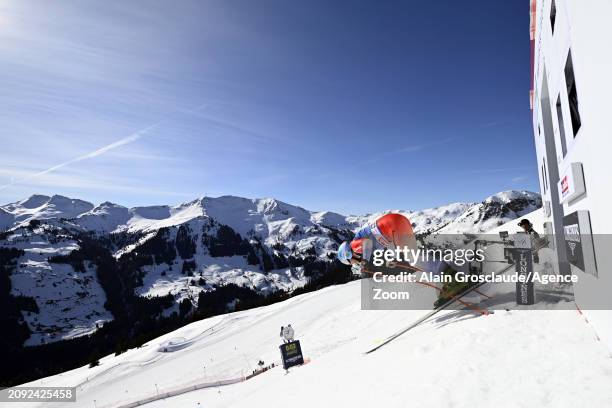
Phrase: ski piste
(443, 306)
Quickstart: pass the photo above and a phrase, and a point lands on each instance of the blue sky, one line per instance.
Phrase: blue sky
(351, 106)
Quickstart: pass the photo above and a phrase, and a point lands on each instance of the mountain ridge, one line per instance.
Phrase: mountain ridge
(108, 217)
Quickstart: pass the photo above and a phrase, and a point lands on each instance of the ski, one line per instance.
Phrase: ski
(411, 268)
(453, 297)
(448, 303)
(434, 312)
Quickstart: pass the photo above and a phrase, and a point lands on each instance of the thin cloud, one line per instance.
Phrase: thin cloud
(498, 170)
(519, 178)
(232, 126)
(493, 124)
(409, 149)
(74, 181)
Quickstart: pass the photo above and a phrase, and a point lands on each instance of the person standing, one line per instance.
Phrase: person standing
(537, 242)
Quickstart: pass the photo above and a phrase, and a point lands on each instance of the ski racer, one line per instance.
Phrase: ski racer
(389, 231)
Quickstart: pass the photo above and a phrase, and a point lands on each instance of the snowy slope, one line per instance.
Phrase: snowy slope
(70, 302)
(509, 359)
(494, 211)
(162, 279)
(423, 221)
(535, 217)
(43, 207)
(105, 217)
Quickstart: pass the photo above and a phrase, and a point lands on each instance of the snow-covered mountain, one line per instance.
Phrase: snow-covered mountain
(83, 264)
(41, 207)
(260, 215)
(496, 210)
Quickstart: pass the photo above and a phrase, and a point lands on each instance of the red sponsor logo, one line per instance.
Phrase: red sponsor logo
(564, 185)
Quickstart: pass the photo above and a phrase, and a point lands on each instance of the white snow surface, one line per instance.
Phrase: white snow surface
(44, 207)
(508, 359)
(106, 217)
(473, 219)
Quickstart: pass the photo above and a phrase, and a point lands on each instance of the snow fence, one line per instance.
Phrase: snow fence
(177, 391)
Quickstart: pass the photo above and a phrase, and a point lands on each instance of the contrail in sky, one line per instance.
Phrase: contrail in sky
(98, 152)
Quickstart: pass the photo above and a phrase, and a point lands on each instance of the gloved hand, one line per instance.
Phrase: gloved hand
(356, 268)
